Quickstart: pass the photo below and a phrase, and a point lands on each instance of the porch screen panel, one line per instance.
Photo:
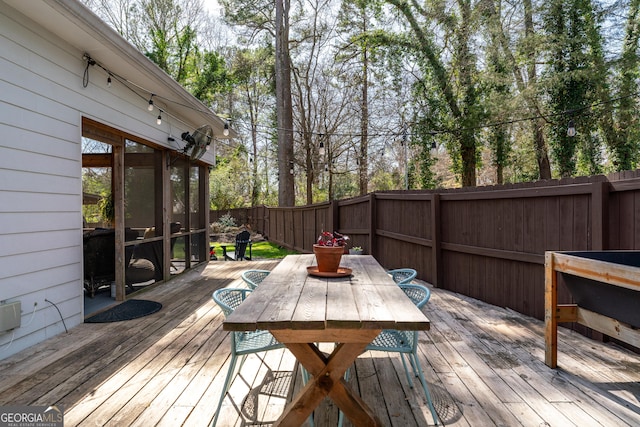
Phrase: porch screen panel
(142, 208)
(196, 215)
(179, 208)
(140, 190)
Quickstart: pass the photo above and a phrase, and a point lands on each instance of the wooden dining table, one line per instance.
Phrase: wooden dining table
(302, 310)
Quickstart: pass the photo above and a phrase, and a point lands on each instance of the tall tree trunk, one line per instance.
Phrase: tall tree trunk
(255, 189)
(538, 140)
(364, 118)
(311, 176)
(466, 69)
(286, 194)
(542, 153)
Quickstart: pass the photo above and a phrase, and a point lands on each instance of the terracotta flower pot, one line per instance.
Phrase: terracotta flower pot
(328, 257)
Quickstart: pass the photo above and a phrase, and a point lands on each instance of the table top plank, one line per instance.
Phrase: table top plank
(310, 312)
(411, 316)
(275, 305)
(343, 309)
(394, 298)
(281, 290)
(289, 298)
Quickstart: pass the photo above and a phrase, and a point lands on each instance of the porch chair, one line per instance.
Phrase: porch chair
(254, 277)
(402, 275)
(242, 343)
(405, 342)
(243, 239)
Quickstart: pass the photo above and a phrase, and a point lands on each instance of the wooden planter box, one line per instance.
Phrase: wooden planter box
(605, 286)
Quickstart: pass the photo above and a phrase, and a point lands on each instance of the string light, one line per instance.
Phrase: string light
(571, 130)
(159, 119)
(137, 89)
(321, 148)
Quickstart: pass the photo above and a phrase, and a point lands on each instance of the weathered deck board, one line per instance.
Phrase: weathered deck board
(485, 366)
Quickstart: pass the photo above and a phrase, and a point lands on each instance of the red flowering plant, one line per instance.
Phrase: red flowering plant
(328, 238)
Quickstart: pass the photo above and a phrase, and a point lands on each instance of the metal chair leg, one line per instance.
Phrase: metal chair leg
(406, 370)
(426, 388)
(227, 383)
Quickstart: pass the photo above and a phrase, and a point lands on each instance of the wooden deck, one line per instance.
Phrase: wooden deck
(484, 364)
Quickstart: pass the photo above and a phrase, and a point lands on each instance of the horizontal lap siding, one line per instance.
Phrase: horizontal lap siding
(42, 100)
(40, 185)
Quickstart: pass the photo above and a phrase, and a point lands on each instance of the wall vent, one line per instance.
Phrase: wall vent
(10, 316)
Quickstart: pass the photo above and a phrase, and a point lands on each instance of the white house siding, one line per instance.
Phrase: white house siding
(42, 102)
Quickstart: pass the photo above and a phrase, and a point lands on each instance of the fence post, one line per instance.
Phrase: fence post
(372, 224)
(599, 220)
(265, 221)
(334, 216)
(436, 244)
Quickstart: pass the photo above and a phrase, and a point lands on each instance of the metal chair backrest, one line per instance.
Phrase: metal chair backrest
(230, 298)
(254, 277)
(403, 275)
(418, 294)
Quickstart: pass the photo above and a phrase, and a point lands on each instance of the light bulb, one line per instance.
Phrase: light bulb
(150, 107)
(109, 81)
(571, 130)
(225, 132)
(159, 119)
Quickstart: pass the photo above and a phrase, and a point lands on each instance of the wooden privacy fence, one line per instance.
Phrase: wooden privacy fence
(486, 242)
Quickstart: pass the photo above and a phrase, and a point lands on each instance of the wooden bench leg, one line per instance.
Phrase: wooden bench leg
(550, 313)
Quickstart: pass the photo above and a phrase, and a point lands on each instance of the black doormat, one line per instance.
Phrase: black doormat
(130, 309)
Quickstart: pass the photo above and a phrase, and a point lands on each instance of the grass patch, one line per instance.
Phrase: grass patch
(269, 250)
(265, 250)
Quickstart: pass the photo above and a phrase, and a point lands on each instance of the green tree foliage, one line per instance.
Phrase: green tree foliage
(569, 79)
(498, 82)
(356, 25)
(252, 71)
(229, 181)
(494, 84)
(619, 119)
(168, 32)
(454, 76)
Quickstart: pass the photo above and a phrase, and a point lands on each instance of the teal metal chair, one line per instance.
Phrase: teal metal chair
(405, 342)
(254, 277)
(242, 343)
(403, 275)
